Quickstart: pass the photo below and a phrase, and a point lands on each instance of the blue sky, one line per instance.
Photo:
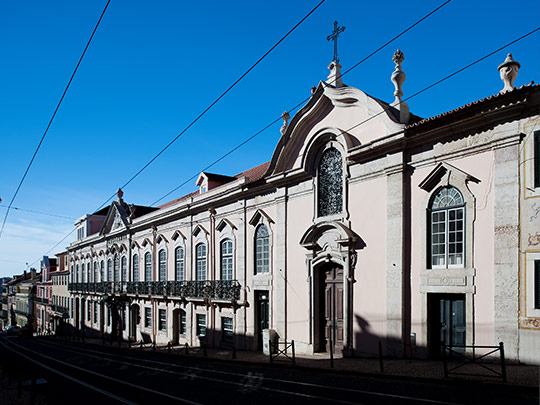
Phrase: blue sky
(153, 67)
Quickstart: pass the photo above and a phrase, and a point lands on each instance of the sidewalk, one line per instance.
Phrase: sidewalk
(517, 374)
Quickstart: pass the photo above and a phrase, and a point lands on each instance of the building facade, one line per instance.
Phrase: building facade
(368, 224)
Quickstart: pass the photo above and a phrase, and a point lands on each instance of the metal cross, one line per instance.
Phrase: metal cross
(333, 37)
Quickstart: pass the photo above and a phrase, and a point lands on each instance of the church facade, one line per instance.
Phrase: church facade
(368, 224)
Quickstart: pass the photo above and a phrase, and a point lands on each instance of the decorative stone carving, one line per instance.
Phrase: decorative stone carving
(398, 76)
(285, 117)
(334, 78)
(119, 195)
(509, 71)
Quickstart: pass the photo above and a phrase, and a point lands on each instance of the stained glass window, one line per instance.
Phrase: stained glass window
(330, 183)
(447, 228)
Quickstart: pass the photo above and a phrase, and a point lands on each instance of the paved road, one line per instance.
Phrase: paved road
(89, 373)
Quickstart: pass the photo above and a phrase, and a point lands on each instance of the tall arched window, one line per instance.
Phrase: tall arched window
(447, 214)
(82, 272)
(95, 272)
(89, 272)
(116, 267)
(77, 279)
(179, 263)
(162, 265)
(123, 272)
(109, 270)
(201, 261)
(227, 264)
(330, 183)
(102, 271)
(262, 250)
(148, 266)
(135, 267)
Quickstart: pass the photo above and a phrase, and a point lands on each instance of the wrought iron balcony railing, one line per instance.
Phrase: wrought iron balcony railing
(60, 309)
(41, 300)
(227, 290)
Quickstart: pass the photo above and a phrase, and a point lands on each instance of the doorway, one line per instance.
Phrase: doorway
(329, 314)
(446, 322)
(135, 319)
(262, 316)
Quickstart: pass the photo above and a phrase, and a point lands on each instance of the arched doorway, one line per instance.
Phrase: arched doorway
(329, 300)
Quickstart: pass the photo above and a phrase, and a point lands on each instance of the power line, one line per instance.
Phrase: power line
(305, 100)
(51, 120)
(213, 103)
(40, 212)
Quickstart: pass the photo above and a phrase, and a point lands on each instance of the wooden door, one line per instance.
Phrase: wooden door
(333, 308)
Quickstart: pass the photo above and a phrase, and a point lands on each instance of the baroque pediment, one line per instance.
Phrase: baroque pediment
(117, 218)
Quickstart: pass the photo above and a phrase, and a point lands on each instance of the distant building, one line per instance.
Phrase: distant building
(43, 297)
(368, 224)
(20, 299)
(3, 302)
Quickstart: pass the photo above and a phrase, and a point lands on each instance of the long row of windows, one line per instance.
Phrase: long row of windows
(117, 266)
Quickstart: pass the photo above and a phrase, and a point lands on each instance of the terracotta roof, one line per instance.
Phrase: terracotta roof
(474, 103)
(253, 174)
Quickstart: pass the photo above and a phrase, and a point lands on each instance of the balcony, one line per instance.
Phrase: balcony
(40, 300)
(221, 290)
(60, 309)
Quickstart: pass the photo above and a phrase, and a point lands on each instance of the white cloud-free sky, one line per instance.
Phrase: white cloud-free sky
(153, 67)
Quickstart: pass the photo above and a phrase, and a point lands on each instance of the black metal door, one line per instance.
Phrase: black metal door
(262, 315)
(447, 321)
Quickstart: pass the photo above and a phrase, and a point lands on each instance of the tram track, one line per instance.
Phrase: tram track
(253, 382)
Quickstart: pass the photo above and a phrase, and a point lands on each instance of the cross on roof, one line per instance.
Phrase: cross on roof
(333, 37)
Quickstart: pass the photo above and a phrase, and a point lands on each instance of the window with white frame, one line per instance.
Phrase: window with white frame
(116, 267)
(95, 279)
(201, 324)
(183, 325)
(102, 270)
(89, 311)
(123, 272)
(95, 312)
(262, 250)
(148, 266)
(447, 234)
(179, 263)
(135, 267)
(201, 261)
(162, 321)
(162, 265)
(147, 317)
(227, 329)
(227, 263)
(83, 268)
(330, 183)
(109, 270)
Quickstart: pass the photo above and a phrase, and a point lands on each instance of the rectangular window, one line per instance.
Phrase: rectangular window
(227, 329)
(182, 322)
(537, 284)
(89, 311)
(447, 236)
(537, 159)
(147, 317)
(95, 312)
(162, 319)
(179, 263)
(201, 325)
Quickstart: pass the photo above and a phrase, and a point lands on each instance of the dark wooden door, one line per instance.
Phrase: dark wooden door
(447, 321)
(262, 316)
(333, 307)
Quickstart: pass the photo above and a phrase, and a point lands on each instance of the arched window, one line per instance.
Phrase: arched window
(95, 272)
(88, 272)
(179, 263)
(262, 250)
(330, 183)
(148, 267)
(227, 266)
(77, 279)
(116, 267)
(72, 275)
(201, 261)
(162, 265)
(102, 271)
(109, 270)
(135, 267)
(447, 214)
(123, 272)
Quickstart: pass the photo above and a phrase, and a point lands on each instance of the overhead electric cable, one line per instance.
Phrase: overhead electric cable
(52, 118)
(40, 212)
(213, 103)
(306, 99)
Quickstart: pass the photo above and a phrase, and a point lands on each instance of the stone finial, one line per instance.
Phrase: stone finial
(119, 195)
(285, 117)
(398, 78)
(334, 78)
(509, 71)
